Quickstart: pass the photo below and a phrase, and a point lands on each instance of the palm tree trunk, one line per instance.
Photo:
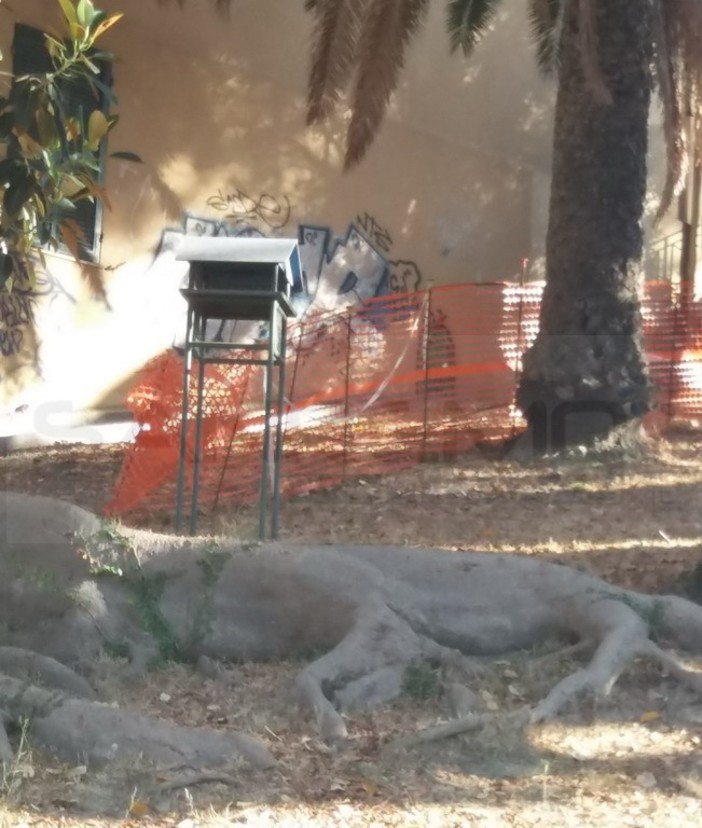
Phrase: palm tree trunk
(586, 373)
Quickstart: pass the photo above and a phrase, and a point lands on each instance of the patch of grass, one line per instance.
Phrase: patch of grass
(13, 774)
(116, 649)
(420, 682)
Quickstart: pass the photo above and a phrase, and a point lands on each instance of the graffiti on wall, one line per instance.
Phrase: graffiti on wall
(404, 276)
(16, 316)
(338, 270)
(240, 208)
(376, 234)
(17, 310)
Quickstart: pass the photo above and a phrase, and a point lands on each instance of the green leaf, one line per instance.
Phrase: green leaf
(127, 156)
(65, 205)
(25, 101)
(86, 12)
(468, 21)
(46, 126)
(71, 18)
(54, 46)
(106, 90)
(107, 24)
(98, 127)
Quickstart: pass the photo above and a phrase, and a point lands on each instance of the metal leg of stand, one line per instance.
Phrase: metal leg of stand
(198, 426)
(182, 462)
(278, 458)
(268, 393)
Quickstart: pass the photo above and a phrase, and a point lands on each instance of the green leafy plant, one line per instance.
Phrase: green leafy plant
(51, 157)
(421, 682)
(147, 591)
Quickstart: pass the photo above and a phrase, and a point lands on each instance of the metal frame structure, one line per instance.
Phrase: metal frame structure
(207, 304)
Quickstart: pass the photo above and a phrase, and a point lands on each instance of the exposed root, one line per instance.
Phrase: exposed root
(43, 670)
(571, 651)
(6, 752)
(86, 731)
(671, 663)
(373, 611)
(622, 633)
(192, 779)
(457, 727)
(378, 646)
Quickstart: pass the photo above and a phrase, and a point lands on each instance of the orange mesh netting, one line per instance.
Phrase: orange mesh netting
(374, 388)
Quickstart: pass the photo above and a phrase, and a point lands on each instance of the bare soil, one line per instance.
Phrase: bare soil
(634, 760)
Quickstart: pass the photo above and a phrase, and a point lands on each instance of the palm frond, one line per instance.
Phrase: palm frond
(546, 23)
(335, 44)
(388, 28)
(468, 21)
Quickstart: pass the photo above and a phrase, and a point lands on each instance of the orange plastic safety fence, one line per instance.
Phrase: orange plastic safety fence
(376, 388)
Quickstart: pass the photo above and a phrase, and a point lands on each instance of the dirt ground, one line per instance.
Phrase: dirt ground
(634, 760)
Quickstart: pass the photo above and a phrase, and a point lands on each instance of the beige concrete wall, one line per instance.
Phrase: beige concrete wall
(457, 178)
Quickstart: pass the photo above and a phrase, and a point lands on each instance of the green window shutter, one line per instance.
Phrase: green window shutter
(30, 56)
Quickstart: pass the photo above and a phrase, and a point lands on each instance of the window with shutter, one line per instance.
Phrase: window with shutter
(30, 56)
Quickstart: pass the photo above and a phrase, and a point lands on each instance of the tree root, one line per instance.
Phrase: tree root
(457, 727)
(6, 752)
(669, 662)
(621, 633)
(373, 611)
(192, 779)
(86, 731)
(623, 637)
(43, 670)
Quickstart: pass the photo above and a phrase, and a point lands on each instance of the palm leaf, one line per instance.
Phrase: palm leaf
(546, 23)
(388, 27)
(468, 21)
(335, 42)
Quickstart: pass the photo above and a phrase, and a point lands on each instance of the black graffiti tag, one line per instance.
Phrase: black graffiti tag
(404, 277)
(377, 235)
(16, 314)
(242, 208)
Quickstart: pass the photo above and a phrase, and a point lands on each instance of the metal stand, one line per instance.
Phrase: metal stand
(205, 305)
